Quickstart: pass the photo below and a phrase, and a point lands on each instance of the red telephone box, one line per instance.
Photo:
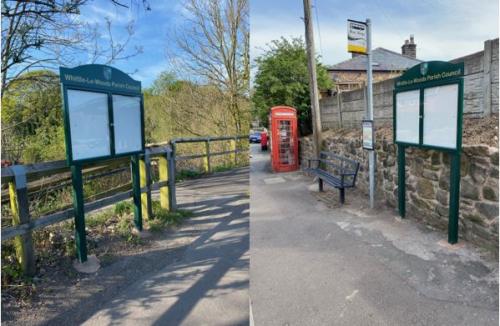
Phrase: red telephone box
(284, 139)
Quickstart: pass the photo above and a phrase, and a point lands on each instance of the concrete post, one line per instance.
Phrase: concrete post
(487, 79)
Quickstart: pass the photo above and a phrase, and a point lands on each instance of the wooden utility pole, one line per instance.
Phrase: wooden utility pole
(313, 82)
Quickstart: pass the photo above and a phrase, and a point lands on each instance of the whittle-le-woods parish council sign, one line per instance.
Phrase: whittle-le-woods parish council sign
(103, 113)
(356, 36)
(428, 105)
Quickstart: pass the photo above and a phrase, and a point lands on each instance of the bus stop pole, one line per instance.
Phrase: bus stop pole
(371, 154)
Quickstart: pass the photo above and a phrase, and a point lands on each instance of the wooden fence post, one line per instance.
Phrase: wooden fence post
(163, 169)
(145, 181)
(206, 159)
(233, 148)
(20, 211)
(339, 106)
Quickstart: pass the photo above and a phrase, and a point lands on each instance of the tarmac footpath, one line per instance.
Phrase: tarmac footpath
(316, 265)
(207, 284)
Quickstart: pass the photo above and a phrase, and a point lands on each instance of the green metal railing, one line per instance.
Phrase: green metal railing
(25, 180)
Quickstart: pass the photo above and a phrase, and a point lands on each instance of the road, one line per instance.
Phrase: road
(314, 265)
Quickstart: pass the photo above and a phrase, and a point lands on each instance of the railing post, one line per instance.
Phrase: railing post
(163, 170)
(171, 178)
(206, 159)
(233, 148)
(20, 211)
(145, 181)
(136, 189)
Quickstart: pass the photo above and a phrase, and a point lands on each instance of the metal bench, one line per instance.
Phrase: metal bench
(337, 171)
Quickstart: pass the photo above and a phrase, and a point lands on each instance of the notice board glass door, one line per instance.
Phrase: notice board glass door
(286, 148)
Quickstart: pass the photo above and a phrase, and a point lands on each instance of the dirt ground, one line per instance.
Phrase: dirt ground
(34, 301)
(475, 132)
(481, 131)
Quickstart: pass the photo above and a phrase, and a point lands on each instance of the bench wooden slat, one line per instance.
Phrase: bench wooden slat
(338, 157)
(335, 181)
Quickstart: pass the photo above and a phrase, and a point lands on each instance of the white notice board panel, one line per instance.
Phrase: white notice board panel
(89, 124)
(440, 116)
(368, 134)
(127, 123)
(407, 116)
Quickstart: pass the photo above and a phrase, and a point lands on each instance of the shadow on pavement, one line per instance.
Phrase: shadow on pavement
(163, 286)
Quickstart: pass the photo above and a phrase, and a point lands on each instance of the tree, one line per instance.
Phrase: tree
(178, 108)
(32, 127)
(214, 46)
(167, 81)
(282, 79)
(45, 33)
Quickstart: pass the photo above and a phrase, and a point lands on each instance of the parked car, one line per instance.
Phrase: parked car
(254, 137)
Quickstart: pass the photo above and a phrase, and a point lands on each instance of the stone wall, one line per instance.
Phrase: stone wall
(427, 182)
(347, 109)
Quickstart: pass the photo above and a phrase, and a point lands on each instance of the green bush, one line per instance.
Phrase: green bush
(187, 174)
(99, 219)
(125, 207)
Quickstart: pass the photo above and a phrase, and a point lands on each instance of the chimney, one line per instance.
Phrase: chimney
(409, 49)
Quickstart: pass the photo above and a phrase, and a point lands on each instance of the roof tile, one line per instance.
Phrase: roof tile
(383, 60)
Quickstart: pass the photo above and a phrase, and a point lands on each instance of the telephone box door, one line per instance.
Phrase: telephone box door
(284, 138)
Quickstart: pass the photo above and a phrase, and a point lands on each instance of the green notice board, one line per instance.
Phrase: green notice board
(427, 111)
(103, 119)
(428, 106)
(103, 113)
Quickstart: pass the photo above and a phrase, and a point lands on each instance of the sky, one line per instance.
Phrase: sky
(151, 29)
(443, 29)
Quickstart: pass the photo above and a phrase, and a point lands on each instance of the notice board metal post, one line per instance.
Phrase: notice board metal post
(136, 189)
(454, 197)
(401, 180)
(78, 206)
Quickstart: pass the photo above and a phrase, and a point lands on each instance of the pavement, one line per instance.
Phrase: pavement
(207, 283)
(312, 264)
